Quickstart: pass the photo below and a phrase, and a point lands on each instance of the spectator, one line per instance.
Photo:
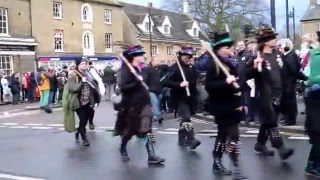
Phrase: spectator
(6, 89)
(61, 81)
(15, 88)
(53, 85)
(43, 82)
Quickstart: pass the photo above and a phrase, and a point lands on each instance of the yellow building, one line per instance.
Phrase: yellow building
(69, 29)
(17, 46)
(168, 30)
(310, 22)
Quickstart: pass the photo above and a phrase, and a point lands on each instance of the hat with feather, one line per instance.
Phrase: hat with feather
(266, 34)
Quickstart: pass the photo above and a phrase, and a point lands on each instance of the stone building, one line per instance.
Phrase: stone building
(168, 30)
(69, 29)
(310, 22)
(17, 46)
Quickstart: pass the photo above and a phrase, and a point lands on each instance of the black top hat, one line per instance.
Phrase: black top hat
(132, 51)
(266, 34)
(187, 51)
(220, 40)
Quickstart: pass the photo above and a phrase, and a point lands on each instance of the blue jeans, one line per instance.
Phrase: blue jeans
(155, 106)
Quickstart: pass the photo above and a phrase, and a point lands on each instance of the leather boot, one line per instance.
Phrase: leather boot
(152, 158)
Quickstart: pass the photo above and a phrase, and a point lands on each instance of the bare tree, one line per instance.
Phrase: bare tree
(214, 14)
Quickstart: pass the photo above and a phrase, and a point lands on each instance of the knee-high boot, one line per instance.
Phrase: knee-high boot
(218, 167)
(152, 158)
(234, 152)
(192, 142)
(277, 143)
(123, 149)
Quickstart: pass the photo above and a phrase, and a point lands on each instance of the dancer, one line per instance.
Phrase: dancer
(184, 103)
(86, 96)
(267, 72)
(224, 103)
(135, 115)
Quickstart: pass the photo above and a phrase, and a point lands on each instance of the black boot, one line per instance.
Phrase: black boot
(313, 169)
(77, 136)
(219, 168)
(284, 152)
(83, 135)
(85, 143)
(123, 149)
(92, 126)
(124, 154)
(263, 150)
(182, 139)
(152, 158)
(191, 141)
(234, 156)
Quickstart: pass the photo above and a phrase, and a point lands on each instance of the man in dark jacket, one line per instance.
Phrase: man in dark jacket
(184, 102)
(292, 73)
(267, 71)
(152, 78)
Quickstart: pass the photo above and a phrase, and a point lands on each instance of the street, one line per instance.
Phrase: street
(35, 147)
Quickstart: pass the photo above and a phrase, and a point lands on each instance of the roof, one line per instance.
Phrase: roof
(107, 2)
(180, 22)
(312, 14)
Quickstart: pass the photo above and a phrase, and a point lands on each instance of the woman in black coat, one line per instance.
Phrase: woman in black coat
(15, 88)
(225, 104)
(135, 115)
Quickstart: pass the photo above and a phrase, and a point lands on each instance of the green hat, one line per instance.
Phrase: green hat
(220, 40)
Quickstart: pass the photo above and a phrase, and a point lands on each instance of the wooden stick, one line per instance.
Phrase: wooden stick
(182, 73)
(134, 72)
(221, 66)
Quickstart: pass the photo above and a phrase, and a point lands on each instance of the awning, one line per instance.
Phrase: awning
(75, 57)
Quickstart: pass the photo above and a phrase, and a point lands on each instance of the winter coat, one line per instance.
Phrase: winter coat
(15, 85)
(174, 79)
(269, 84)
(53, 83)
(224, 99)
(68, 100)
(5, 86)
(152, 79)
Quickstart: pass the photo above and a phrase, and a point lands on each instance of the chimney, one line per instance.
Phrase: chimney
(185, 7)
(313, 4)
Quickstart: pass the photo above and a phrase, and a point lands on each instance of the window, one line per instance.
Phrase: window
(57, 10)
(195, 32)
(58, 40)
(108, 16)
(167, 29)
(6, 64)
(169, 50)
(154, 50)
(108, 39)
(146, 26)
(86, 41)
(4, 21)
(86, 13)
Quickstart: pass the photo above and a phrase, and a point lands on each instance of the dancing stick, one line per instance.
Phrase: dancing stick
(134, 72)
(182, 73)
(221, 66)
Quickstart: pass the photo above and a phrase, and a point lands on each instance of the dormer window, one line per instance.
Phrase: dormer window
(147, 27)
(195, 32)
(166, 29)
(86, 13)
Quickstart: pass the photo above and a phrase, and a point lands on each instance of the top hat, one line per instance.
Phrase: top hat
(266, 34)
(221, 39)
(132, 51)
(187, 51)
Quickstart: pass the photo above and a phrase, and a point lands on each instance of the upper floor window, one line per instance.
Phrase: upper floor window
(86, 13)
(108, 39)
(169, 50)
(4, 30)
(167, 29)
(154, 50)
(57, 10)
(147, 26)
(58, 40)
(108, 16)
(195, 32)
(88, 43)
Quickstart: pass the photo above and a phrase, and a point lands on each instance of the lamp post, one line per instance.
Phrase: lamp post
(287, 18)
(273, 13)
(150, 26)
(292, 15)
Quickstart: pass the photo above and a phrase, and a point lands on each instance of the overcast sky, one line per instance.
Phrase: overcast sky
(300, 7)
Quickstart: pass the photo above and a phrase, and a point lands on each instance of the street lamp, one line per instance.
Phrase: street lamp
(150, 26)
(292, 15)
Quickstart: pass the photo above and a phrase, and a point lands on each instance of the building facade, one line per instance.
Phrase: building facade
(17, 46)
(69, 29)
(310, 22)
(169, 30)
